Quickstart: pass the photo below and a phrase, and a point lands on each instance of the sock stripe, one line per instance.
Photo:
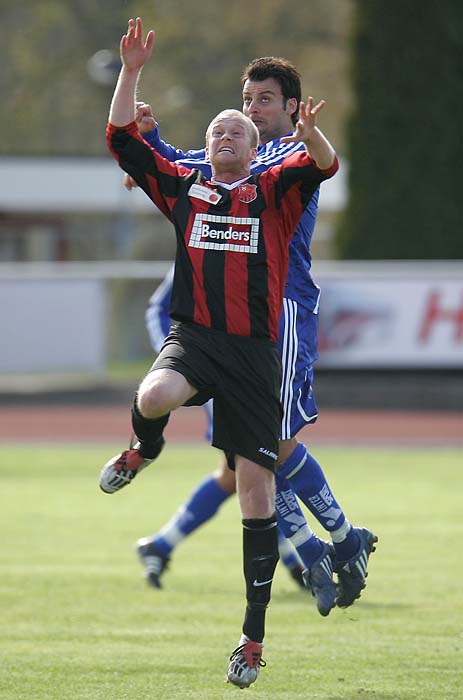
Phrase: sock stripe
(304, 534)
(297, 467)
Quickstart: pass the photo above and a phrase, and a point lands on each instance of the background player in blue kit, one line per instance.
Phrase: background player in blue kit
(271, 94)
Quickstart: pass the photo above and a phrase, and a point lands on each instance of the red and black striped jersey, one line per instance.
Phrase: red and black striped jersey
(232, 242)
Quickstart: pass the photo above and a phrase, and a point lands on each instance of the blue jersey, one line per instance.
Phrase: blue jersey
(299, 283)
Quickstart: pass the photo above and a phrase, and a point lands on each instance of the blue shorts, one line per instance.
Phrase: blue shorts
(297, 345)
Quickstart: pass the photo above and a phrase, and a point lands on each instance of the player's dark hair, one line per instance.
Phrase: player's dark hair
(282, 71)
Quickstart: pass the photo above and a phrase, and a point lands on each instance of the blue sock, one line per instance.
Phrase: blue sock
(288, 554)
(203, 503)
(306, 477)
(293, 525)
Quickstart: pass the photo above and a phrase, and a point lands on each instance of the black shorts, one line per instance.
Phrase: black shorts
(242, 375)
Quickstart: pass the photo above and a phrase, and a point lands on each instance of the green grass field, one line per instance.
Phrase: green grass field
(79, 623)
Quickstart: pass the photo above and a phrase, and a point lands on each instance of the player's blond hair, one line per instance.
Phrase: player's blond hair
(251, 128)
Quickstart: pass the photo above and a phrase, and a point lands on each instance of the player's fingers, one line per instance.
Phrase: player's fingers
(318, 107)
(142, 110)
(149, 40)
(130, 28)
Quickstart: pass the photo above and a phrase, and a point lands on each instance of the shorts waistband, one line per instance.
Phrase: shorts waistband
(245, 339)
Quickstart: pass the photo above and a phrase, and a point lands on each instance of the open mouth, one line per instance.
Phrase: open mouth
(226, 149)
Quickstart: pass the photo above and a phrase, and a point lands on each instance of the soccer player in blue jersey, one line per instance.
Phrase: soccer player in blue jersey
(271, 94)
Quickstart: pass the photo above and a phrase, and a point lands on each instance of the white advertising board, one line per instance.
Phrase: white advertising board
(405, 314)
(52, 325)
(391, 323)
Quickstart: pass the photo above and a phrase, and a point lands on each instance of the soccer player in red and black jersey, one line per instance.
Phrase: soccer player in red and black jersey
(233, 233)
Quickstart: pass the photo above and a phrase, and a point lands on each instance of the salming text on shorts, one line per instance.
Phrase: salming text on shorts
(242, 375)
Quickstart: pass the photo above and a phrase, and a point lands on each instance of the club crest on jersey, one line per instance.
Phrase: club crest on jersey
(235, 233)
(247, 193)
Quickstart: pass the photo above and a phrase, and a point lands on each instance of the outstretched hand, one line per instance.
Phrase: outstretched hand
(134, 51)
(306, 123)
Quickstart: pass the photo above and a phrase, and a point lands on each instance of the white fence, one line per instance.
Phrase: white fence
(54, 316)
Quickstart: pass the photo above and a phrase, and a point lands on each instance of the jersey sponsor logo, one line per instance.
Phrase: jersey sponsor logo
(204, 193)
(247, 193)
(234, 233)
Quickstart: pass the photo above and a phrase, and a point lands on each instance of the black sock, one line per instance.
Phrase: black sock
(149, 432)
(260, 557)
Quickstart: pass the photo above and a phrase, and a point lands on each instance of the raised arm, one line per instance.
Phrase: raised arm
(146, 124)
(135, 52)
(314, 140)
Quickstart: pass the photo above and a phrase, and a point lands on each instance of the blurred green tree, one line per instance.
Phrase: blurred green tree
(53, 105)
(404, 136)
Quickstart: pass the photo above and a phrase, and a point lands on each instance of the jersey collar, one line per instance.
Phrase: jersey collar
(229, 186)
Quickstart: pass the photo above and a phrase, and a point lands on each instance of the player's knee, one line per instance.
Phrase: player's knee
(225, 478)
(153, 400)
(161, 392)
(286, 448)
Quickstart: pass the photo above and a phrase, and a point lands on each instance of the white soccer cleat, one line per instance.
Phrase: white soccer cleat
(123, 468)
(245, 663)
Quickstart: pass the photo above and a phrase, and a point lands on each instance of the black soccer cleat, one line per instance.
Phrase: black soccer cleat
(319, 580)
(352, 573)
(154, 563)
